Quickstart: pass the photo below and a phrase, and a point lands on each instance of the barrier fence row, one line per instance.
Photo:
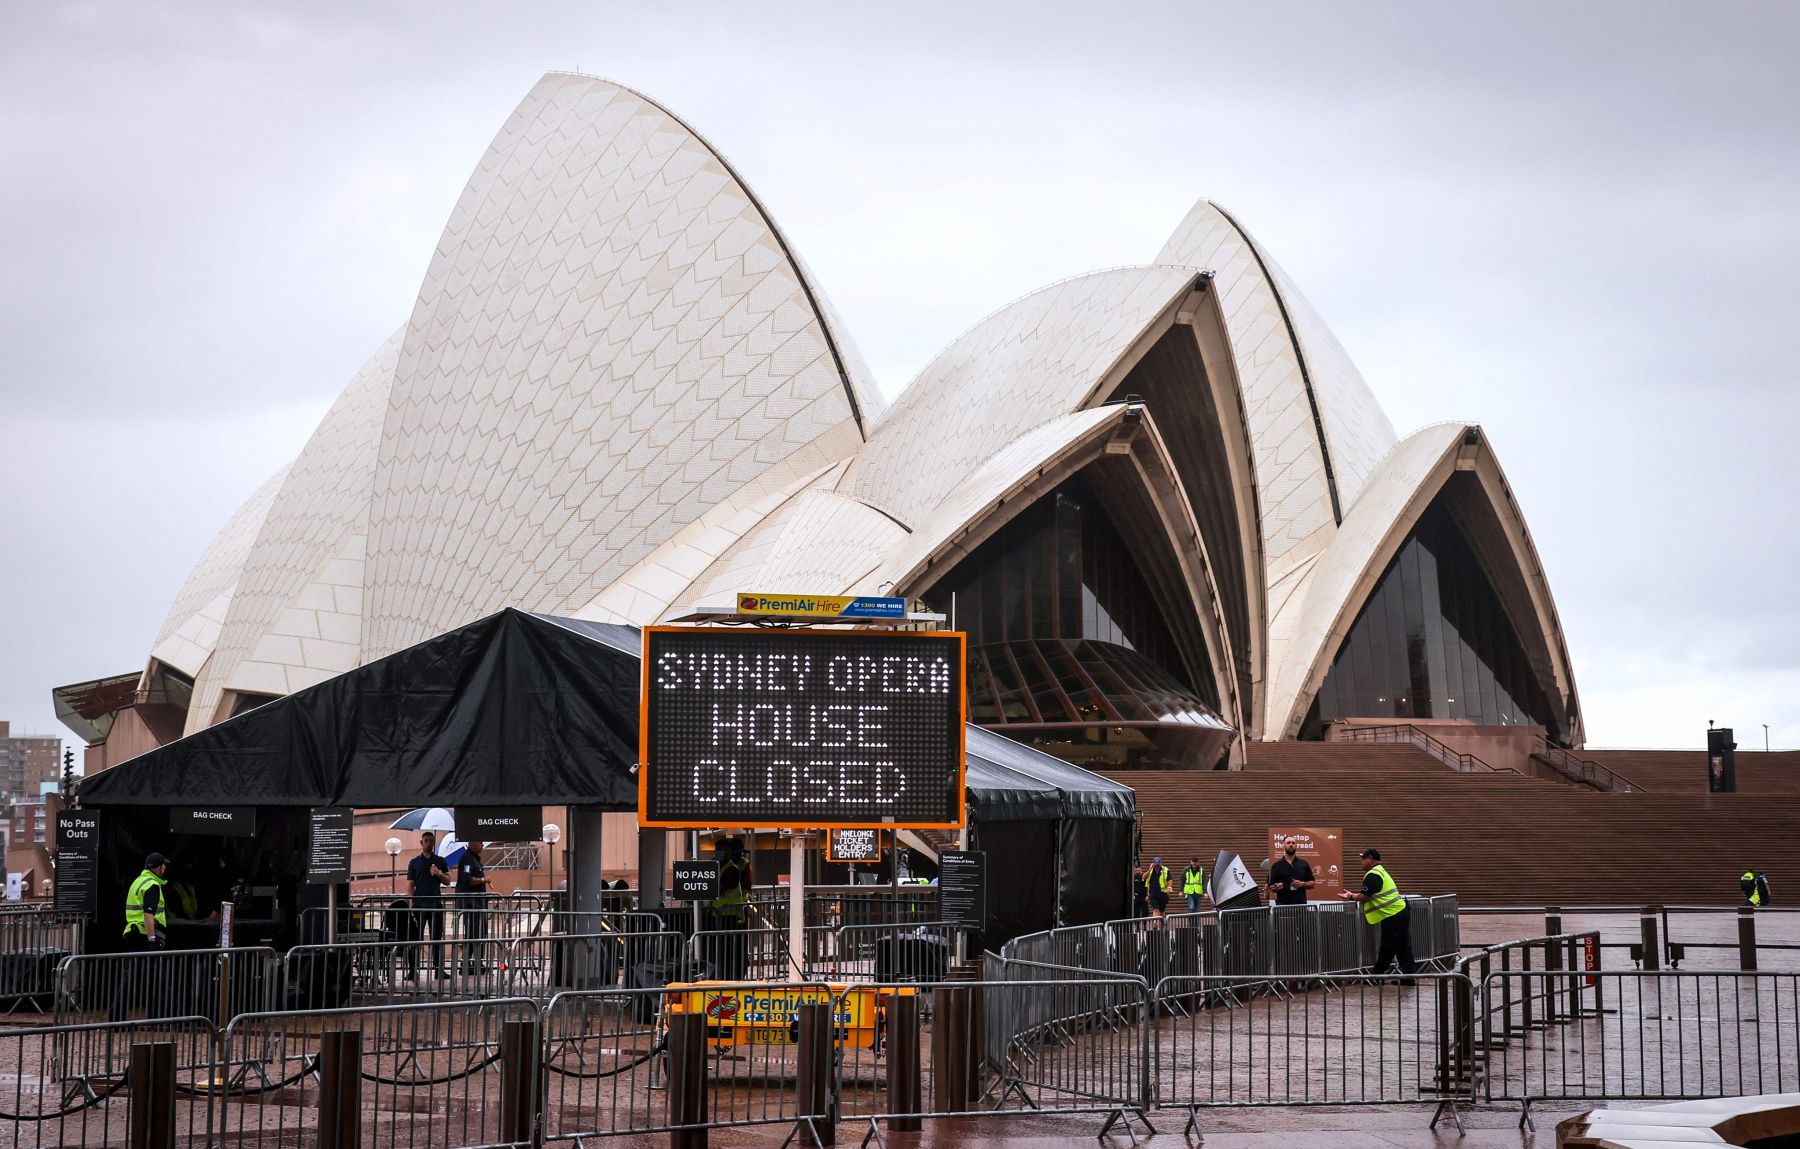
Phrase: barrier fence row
(1266, 941)
(591, 1063)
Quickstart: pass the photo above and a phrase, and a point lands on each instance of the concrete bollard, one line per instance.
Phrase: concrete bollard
(340, 1089)
(521, 1082)
(687, 1080)
(904, 1093)
(1647, 931)
(814, 1095)
(150, 1089)
(1747, 938)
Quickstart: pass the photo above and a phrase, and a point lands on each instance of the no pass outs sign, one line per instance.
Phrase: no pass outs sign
(802, 729)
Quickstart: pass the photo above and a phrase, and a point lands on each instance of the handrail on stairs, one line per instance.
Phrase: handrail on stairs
(1407, 733)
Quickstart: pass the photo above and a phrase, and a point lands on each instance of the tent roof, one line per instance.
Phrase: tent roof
(515, 708)
(994, 760)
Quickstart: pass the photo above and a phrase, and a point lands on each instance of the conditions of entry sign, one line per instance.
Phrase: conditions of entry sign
(801, 728)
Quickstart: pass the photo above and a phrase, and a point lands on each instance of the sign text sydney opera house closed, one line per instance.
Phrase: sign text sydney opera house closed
(801, 728)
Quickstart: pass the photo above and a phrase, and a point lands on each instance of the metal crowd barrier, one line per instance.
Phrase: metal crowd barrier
(71, 1084)
(1026, 1038)
(430, 1075)
(1369, 1041)
(216, 983)
(1320, 939)
(33, 942)
(396, 919)
(1663, 1035)
(751, 954)
(903, 952)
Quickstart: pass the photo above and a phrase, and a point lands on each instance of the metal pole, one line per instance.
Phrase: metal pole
(520, 1083)
(687, 1081)
(340, 1089)
(331, 914)
(1746, 938)
(150, 1092)
(1647, 932)
(797, 904)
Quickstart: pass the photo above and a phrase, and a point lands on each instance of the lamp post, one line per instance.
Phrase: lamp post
(1765, 738)
(393, 851)
(552, 835)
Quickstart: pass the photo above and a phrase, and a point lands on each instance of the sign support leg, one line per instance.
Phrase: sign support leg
(797, 905)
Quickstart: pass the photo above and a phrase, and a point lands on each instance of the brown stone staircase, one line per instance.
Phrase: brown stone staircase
(1493, 838)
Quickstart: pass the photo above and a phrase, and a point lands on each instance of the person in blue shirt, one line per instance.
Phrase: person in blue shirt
(426, 874)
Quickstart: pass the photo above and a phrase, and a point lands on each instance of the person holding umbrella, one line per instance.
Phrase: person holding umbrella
(426, 875)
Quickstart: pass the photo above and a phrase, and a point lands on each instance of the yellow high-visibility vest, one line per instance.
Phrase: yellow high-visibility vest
(1387, 900)
(1193, 881)
(732, 900)
(134, 903)
(1755, 887)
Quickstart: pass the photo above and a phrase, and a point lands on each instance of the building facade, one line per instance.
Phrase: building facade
(1160, 498)
(27, 761)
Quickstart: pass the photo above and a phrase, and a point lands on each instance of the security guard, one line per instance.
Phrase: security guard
(146, 910)
(731, 908)
(1755, 887)
(1193, 884)
(1385, 908)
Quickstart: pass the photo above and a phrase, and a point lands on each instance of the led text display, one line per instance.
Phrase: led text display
(802, 728)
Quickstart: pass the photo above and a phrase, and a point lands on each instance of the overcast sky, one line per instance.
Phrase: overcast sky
(1572, 223)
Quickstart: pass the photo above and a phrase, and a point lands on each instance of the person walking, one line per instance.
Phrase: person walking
(1193, 884)
(1755, 887)
(1291, 875)
(1156, 890)
(472, 899)
(146, 909)
(1384, 908)
(146, 931)
(426, 873)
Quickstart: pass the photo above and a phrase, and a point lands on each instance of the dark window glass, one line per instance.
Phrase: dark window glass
(1434, 640)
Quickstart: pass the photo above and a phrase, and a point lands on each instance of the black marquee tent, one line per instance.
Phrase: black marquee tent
(528, 709)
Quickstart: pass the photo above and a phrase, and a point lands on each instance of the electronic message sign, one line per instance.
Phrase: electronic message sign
(801, 728)
(853, 845)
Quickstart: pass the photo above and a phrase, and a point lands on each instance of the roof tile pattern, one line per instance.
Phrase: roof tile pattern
(1035, 359)
(1290, 466)
(610, 339)
(297, 616)
(209, 587)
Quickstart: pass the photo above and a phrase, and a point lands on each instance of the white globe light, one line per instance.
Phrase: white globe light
(552, 833)
(393, 847)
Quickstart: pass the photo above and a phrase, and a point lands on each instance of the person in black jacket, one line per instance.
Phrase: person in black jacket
(426, 875)
(1291, 875)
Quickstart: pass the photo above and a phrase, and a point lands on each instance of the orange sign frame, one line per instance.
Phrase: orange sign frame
(962, 752)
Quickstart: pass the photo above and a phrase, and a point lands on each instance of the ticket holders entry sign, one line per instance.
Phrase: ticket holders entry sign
(802, 729)
(853, 845)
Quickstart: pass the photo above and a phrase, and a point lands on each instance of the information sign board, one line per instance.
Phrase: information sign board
(805, 729)
(1323, 850)
(499, 823)
(697, 880)
(328, 844)
(218, 821)
(821, 606)
(78, 862)
(853, 845)
(962, 889)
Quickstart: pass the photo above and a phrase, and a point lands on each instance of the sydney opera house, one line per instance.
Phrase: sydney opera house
(1160, 498)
